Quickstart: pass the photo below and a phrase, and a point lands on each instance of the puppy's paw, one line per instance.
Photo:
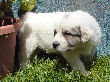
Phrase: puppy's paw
(87, 74)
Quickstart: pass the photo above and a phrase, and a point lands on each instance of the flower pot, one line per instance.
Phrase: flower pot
(8, 30)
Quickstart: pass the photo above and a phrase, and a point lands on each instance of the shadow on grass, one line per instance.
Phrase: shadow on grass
(41, 54)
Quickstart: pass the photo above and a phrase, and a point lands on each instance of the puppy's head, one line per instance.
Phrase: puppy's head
(65, 39)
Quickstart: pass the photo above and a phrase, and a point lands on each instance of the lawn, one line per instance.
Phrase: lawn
(55, 69)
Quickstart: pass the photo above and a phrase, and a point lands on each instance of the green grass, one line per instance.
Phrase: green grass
(57, 70)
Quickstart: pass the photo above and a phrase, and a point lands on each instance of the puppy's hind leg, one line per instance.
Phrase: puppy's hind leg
(22, 54)
(26, 50)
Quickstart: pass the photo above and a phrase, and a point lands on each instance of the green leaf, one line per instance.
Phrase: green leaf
(27, 4)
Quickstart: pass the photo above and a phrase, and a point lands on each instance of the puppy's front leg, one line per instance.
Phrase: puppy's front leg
(75, 62)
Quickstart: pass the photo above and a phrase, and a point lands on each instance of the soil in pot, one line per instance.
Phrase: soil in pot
(7, 21)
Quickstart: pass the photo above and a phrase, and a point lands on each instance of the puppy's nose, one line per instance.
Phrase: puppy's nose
(55, 45)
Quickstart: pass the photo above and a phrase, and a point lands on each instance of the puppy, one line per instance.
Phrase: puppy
(74, 34)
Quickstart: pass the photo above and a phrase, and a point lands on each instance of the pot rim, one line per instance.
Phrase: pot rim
(12, 27)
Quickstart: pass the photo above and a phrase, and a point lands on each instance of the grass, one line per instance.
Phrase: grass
(55, 69)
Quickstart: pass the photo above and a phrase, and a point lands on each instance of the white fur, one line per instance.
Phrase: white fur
(38, 31)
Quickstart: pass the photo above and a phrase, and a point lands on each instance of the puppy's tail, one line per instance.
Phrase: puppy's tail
(26, 16)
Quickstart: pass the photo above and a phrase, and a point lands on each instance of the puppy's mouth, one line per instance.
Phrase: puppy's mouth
(67, 50)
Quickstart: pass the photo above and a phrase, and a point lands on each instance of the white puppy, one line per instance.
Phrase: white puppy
(73, 34)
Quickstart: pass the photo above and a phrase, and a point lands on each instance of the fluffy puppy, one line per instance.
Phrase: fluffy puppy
(74, 34)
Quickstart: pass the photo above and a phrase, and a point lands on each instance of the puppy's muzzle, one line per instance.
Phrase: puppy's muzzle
(55, 45)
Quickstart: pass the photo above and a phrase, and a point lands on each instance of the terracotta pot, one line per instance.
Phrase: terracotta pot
(8, 30)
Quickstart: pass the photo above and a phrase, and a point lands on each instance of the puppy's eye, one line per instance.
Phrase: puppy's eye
(66, 33)
(55, 32)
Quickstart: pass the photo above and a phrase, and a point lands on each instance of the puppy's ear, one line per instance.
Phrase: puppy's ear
(85, 34)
